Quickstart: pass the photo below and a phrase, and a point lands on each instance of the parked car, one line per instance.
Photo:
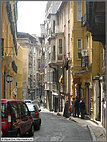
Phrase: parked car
(16, 119)
(35, 112)
(27, 101)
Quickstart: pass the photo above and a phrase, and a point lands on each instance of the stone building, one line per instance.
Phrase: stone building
(74, 58)
(51, 72)
(30, 62)
(95, 12)
(19, 76)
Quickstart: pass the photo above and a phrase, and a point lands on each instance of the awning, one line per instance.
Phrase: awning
(54, 94)
(46, 89)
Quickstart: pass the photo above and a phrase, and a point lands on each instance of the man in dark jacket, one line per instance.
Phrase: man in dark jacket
(76, 106)
(82, 108)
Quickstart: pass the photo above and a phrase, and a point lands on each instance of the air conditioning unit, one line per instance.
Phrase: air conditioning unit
(84, 53)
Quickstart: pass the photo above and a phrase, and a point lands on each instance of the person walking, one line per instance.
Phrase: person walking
(82, 108)
(66, 110)
(76, 106)
(70, 110)
(73, 109)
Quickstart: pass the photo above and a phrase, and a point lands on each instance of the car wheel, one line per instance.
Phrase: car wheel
(40, 122)
(18, 134)
(38, 127)
(31, 132)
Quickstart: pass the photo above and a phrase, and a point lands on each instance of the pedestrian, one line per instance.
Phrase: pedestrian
(76, 106)
(66, 109)
(73, 109)
(70, 110)
(82, 108)
(39, 103)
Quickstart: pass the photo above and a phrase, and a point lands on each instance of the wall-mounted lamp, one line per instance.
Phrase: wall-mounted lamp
(9, 78)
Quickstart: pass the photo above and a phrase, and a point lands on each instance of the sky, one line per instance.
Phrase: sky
(30, 15)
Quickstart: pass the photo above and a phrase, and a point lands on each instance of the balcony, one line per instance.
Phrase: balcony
(95, 12)
(12, 24)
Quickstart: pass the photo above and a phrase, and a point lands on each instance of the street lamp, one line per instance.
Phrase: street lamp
(9, 78)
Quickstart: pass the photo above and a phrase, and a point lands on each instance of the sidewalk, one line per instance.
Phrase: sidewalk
(96, 130)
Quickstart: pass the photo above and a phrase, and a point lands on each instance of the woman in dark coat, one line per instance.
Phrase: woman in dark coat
(66, 110)
(73, 109)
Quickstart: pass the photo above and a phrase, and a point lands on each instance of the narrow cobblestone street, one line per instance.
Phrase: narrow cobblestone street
(53, 70)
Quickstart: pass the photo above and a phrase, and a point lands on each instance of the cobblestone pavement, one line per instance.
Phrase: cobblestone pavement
(58, 128)
(98, 133)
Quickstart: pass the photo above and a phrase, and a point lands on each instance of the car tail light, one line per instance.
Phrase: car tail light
(9, 118)
(36, 114)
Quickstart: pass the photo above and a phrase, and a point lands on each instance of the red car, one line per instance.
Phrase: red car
(16, 119)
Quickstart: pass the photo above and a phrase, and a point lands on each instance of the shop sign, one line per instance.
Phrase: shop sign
(76, 80)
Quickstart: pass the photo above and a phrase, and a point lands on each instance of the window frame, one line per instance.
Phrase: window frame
(53, 26)
(78, 48)
(79, 11)
(26, 110)
(15, 110)
(60, 47)
(20, 107)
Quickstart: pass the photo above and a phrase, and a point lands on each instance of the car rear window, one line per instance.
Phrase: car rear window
(3, 110)
(31, 107)
(21, 109)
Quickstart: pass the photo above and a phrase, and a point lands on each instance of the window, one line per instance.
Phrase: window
(69, 26)
(69, 10)
(54, 52)
(21, 109)
(79, 10)
(68, 42)
(79, 48)
(60, 46)
(87, 44)
(53, 26)
(64, 30)
(15, 112)
(3, 110)
(57, 18)
(26, 110)
(2, 45)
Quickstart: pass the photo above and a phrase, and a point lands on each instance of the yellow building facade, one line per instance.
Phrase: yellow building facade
(19, 76)
(9, 49)
(86, 62)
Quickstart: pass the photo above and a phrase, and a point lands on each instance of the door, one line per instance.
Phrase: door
(22, 118)
(88, 100)
(27, 119)
(15, 116)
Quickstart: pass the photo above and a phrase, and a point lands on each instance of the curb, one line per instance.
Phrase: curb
(92, 133)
